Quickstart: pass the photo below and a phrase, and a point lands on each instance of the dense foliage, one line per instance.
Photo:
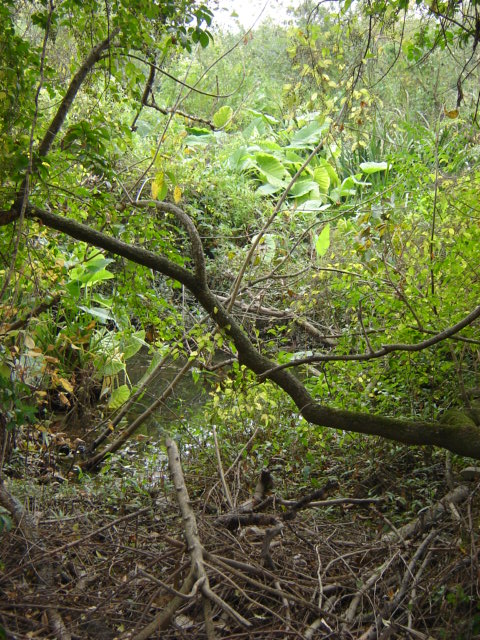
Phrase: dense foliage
(278, 228)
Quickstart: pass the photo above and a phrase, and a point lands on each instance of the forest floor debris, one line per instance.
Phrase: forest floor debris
(360, 570)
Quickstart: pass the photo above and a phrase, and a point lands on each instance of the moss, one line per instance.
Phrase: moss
(458, 417)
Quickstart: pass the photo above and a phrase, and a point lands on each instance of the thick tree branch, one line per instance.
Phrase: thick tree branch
(463, 439)
(77, 81)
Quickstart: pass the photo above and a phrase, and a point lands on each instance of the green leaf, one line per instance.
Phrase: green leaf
(159, 187)
(334, 179)
(323, 241)
(133, 344)
(373, 167)
(271, 168)
(103, 315)
(322, 178)
(199, 140)
(98, 276)
(198, 131)
(314, 204)
(268, 189)
(222, 116)
(119, 397)
(303, 186)
(308, 136)
(113, 367)
(240, 160)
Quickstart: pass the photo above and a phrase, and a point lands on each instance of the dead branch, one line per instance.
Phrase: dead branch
(95, 460)
(428, 517)
(191, 532)
(45, 569)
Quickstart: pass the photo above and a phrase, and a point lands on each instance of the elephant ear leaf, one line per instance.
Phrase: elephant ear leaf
(323, 241)
(222, 117)
(271, 169)
(373, 167)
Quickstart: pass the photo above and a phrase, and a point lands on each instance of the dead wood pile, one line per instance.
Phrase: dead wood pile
(314, 566)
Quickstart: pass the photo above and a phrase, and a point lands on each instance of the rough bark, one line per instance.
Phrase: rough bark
(463, 439)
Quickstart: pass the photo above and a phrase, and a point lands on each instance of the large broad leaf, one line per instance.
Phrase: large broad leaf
(314, 204)
(91, 270)
(222, 116)
(267, 117)
(308, 136)
(322, 178)
(373, 167)
(348, 187)
(240, 160)
(113, 366)
(268, 189)
(269, 146)
(334, 179)
(119, 397)
(198, 131)
(104, 315)
(199, 140)
(271, 168)
(302, 187)
(323, 241)
(97, 276)
(293, 156)
(257, 127)
(132, 345)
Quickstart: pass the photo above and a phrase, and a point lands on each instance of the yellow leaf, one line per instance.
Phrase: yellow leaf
(451, 114)
(29, 343)
(63, 399)
(177, 194)
(157, 185)
(66, 385)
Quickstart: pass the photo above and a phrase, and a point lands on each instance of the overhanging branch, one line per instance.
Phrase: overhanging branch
(463, 439)
(385, 349)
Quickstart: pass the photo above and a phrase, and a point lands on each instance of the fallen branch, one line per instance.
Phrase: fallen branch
(45, 570)
(191, 534)
(95, 460)
(428, 517)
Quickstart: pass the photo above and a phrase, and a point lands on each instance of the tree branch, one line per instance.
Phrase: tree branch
(462, 439)
(77, 81)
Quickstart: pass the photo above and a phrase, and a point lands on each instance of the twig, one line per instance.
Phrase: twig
(226, 490)
(162, 619)
(45, 569)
